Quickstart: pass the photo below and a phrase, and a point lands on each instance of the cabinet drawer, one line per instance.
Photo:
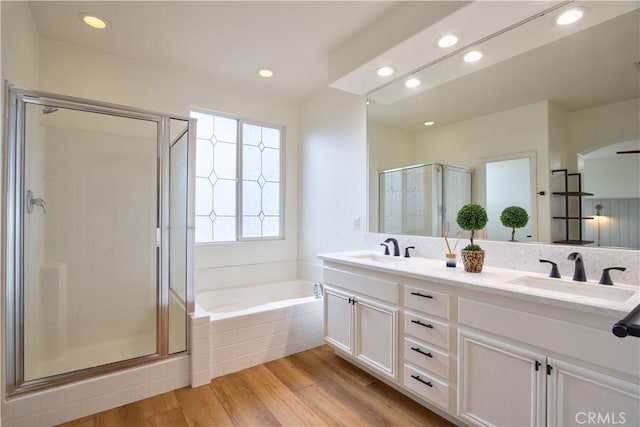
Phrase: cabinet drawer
(427, 301)
(428, 330)
(370, 286)
(426, 357)
(426, 386)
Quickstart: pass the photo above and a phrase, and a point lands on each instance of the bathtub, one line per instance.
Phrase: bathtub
(239, 301)
(256, 324)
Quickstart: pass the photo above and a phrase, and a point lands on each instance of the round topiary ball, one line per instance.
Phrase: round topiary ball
(472, 217)
(514, 217)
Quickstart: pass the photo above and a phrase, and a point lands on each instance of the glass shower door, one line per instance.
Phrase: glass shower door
(90, 249)
(456, 194)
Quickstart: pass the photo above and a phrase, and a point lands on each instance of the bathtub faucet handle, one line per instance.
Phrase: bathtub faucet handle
(318, 289)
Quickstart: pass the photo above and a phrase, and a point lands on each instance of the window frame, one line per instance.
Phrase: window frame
(239, 238)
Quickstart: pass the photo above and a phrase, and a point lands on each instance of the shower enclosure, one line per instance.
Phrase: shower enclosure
(98, 238)
(423, 199)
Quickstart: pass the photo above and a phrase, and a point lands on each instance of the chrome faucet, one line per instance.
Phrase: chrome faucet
(396, 248)
(578, 273)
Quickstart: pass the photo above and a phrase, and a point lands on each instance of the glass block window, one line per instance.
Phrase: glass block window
(229, 208)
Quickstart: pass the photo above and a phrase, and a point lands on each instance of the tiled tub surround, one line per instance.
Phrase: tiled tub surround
(242, 336)
(87, 397)
(526, 256)
(237, 343)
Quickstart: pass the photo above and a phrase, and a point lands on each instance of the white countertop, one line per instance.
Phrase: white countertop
(498, 281)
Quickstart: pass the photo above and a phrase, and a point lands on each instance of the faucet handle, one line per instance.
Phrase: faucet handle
(554, 269)
(605, 279)
(386, 248)
(406, 251)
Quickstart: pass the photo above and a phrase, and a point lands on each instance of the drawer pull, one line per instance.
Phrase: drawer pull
(418, 294)
(426, 325)
(417, 378)
(417, 349)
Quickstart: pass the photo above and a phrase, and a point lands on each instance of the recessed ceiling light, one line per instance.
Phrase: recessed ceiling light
(412, 82)
(569, 17)
(429, 123)
(265, 72)
(448, 40)
(472, 56)
(94, 21)
(384, 71)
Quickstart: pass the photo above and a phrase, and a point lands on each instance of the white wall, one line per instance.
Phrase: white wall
(19, 45)
(333, 176)
(388, 148)
(600, 126)
(90, 74)
(18, 65)
(470, 142)
(613, 177)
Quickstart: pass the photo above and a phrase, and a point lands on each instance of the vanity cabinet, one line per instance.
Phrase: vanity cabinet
(499, 384)
(578, 396)
(482, 358)
(504, 382)
(360, 325)
(426, 343)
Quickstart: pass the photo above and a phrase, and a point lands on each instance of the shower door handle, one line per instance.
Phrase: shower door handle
(32, 201)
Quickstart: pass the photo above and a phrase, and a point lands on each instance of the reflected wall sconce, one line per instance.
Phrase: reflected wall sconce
(598, 208)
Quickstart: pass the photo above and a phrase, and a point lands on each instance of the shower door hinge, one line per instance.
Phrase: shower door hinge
(157, 237)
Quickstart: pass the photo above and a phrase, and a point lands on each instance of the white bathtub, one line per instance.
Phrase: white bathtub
(259, 323)
(232, 302)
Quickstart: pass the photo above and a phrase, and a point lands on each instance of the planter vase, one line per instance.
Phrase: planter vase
(472, 260)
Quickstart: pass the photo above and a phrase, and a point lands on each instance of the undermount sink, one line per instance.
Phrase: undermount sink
(376, 258)
(591, 290)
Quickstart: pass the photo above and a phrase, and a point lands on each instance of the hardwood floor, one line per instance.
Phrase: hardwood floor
(312, 388)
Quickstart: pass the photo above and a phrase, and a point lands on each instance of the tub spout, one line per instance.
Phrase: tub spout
(318, 289)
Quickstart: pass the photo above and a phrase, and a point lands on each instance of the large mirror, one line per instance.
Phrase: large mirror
(543, 97)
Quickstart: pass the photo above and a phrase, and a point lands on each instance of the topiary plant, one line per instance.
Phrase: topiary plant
(514, 217)
(472, 217)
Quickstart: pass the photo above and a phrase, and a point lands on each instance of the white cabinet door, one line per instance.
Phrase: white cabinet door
(578, 396)
(376, 337)
(499, 384)
(338, 319)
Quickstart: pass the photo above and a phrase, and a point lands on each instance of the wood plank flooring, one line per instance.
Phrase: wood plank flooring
(311, 388)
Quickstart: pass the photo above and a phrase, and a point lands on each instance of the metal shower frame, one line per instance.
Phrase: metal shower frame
(12, 231)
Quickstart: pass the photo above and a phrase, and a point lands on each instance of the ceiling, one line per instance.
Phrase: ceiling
(227, 40)
(591, 67)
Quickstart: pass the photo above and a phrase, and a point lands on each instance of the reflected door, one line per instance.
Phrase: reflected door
(90, 268)
(508, 183)
(456, 193)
